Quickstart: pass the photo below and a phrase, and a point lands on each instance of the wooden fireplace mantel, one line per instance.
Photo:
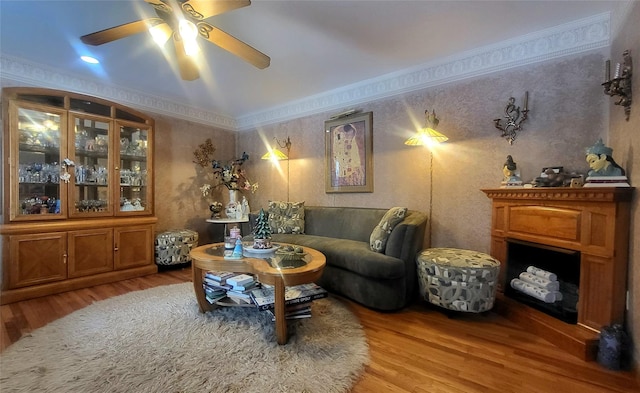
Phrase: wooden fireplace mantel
(593, 221)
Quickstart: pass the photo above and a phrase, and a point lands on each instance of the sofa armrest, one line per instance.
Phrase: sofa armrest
(407, 237)
(405, 241)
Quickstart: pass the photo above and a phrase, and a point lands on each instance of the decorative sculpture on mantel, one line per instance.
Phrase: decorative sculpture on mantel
(620, 85)
(514, 117)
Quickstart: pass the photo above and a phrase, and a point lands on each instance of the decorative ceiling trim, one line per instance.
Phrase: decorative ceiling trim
(15, 71)
(567, 39)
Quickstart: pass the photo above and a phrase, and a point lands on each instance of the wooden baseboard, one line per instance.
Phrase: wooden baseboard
(575, 339)
(19, 294)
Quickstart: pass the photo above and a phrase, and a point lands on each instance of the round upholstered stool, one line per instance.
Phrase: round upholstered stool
(459, 280)
(173, 247)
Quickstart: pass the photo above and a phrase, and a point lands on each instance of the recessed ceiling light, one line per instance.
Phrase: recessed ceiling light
(89, 59)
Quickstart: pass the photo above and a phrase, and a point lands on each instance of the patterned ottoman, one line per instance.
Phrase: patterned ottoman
(460, 280)
(173, 247)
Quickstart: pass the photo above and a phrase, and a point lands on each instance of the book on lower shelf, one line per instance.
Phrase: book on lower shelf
(240, 280)
(264, 298)
(218, 286)
(296, 313)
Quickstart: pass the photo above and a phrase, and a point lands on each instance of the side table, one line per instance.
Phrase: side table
(226, 222)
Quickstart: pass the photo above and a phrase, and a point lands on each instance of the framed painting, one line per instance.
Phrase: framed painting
(349, 153)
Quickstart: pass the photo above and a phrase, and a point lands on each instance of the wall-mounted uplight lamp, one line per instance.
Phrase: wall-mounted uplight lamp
(275, 154)
(513, 117)
(620, 85)
(428, 136)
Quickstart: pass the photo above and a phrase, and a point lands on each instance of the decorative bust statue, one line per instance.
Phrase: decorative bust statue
(601, 161)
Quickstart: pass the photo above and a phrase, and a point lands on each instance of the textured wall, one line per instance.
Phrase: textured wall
(178, 200)
(624, 138)
(568, 113)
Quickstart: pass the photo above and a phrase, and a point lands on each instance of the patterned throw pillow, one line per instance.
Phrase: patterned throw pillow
(286, 217)
(380, 234)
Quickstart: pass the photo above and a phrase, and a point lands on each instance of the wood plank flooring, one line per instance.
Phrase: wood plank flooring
(419, 349)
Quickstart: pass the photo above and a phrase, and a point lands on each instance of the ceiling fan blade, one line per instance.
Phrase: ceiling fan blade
(232, 44)
(186, 64)
(159, 5)
(117, 32)
(203, 9)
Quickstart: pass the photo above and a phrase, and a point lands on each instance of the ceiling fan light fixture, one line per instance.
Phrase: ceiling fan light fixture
(189, 33)
(160, 33)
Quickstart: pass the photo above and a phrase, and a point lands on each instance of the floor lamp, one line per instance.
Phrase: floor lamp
(428, 137)
(275, 154)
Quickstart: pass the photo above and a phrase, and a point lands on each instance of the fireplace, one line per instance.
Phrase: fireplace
(563, 263)
(580, 234)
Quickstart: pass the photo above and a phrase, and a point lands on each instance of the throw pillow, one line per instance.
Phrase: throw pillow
(380, 234)
(286, 217)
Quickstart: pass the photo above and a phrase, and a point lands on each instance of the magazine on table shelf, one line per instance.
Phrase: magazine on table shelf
(264, 298)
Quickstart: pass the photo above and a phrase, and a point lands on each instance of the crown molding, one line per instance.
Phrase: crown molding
(16, 71)
(571, 38)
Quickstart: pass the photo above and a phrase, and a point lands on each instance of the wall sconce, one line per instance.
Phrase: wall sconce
(275, 154)
(514, 118)
(620, 85)
(429, 137)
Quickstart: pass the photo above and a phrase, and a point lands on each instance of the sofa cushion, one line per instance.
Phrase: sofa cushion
(380, 234)
(349, 255)
(286, 217)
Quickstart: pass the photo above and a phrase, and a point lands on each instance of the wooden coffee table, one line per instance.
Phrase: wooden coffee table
(211, 257)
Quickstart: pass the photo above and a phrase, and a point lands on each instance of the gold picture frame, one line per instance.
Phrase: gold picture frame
(349, 153)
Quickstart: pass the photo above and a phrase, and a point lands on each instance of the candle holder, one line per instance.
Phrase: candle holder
(514, 117)
(620, 85)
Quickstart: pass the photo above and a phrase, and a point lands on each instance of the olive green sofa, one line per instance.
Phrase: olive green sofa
(385, 281)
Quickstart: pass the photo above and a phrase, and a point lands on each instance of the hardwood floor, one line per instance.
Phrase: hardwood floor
(416, 350)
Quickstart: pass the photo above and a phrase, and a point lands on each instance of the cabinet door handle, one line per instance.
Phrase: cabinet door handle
(117, 168)
(64, 258)
(116, 248)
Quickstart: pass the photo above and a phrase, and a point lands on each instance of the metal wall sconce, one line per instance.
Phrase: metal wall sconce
(620, 85)
(514, 117)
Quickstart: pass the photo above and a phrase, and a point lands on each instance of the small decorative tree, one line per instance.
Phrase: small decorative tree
(262, 232)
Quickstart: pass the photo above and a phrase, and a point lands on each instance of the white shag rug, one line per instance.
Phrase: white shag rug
(156, 340)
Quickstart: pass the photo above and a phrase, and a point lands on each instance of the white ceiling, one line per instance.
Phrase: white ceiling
(317, 49)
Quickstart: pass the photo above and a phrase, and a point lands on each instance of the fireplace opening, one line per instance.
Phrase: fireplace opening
(544, 277)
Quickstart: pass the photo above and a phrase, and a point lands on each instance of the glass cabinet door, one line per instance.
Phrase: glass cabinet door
(36, 162)
(90, 150)
(134, 160)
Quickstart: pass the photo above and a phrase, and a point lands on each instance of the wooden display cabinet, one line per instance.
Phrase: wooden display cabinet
(78, 192)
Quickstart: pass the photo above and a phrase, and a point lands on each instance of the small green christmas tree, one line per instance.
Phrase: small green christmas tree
(262, 229)
(262, 232)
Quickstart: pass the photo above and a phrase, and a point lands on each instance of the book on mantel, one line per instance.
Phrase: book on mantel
(607, 181)
(264, 297)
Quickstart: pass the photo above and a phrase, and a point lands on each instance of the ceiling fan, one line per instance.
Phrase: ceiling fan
(184, 20)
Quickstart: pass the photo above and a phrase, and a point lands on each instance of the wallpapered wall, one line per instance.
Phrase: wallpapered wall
(624, 137)
(567, 114)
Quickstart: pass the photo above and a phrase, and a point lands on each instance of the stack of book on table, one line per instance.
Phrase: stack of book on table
(234, 286)
(243, 289)
(241, 286)
(297, 299)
